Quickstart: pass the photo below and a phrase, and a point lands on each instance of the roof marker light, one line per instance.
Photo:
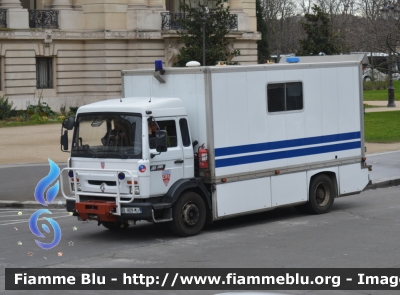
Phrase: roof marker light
(293, 59)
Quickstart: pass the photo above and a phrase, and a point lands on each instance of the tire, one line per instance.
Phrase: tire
(367, 79)
(188, 214)
(321, 195)
(115, 225)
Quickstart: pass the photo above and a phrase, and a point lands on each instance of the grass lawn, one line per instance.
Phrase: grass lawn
(26, 120)
(382, 94)
(15, 124)
(382, 127)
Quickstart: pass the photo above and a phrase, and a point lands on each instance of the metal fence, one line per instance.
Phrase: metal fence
(173, 21)
(43, 19)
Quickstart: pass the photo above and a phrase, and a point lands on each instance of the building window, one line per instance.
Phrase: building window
(44, 72)
(283, 97)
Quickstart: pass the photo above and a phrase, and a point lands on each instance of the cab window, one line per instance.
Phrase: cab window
(170, 127)
(184, 132)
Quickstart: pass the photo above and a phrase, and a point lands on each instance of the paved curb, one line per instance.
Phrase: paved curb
(33, 204)
(375, 184)
(382, 183)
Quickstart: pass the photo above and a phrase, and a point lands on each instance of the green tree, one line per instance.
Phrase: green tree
(217, 25)
(262, 45)
(319, 34)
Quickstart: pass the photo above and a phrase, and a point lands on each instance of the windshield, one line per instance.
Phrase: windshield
(110, 135)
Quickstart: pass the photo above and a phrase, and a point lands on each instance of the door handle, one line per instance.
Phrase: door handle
(178, 161)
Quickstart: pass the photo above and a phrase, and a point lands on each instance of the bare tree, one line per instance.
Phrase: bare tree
(279, 15)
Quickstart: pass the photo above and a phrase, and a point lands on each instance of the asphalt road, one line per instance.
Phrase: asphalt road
(18, 182)
(361, 231)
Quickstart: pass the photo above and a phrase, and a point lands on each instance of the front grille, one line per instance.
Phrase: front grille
(99, 182)
(96, 198)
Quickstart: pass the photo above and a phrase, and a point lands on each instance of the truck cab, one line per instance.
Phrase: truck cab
(128, 155)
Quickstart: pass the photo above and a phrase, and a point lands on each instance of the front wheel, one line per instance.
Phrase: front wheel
(189, 215)
(321, 196)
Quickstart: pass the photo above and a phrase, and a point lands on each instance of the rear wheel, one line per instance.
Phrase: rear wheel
(115, 225)
(189, 215)
(321, 196)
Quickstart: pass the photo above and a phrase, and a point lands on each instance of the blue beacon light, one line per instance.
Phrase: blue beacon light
(158, 65)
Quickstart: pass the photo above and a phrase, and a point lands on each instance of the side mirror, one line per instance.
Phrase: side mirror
(64, 141)
(69, 123)
(161, 141)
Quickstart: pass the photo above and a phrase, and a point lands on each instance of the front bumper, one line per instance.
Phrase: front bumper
(103, 210)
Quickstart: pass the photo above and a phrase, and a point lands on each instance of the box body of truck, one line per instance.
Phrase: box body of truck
(274, 135)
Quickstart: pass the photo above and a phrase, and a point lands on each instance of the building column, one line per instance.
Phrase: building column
(68, 18)
(10, 4)
(235, 5)
(61, 5)
(17, 17)
(77, 4)
(145, 14)
(157, 4)
(105, 15)
(137, 4)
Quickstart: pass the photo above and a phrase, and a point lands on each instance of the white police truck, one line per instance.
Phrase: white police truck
(188, 146)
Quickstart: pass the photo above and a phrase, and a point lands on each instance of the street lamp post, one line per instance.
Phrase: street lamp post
(202, 6)
(390, 12)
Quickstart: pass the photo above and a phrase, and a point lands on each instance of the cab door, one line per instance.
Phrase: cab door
(187, 148)
(167, 167)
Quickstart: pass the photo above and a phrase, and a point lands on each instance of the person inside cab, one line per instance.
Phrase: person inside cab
(117, 136)
(152, 134)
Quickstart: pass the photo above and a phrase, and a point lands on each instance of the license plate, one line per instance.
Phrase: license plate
(132, 210)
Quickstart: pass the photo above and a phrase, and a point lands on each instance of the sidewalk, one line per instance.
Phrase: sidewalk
(30, 146)
(381, 106)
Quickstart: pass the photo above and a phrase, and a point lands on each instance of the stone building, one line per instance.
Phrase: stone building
(71, 52)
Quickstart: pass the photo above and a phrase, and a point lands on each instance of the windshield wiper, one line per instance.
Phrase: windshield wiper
(122, 155)
(86, 149)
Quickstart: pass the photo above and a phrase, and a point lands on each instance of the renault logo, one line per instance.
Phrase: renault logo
(103, 187)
